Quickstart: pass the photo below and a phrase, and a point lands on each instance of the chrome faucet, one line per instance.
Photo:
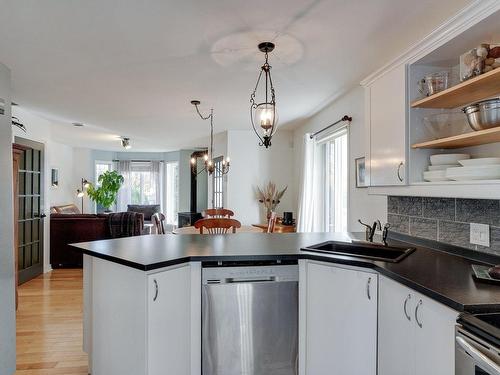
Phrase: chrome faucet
(371, 229)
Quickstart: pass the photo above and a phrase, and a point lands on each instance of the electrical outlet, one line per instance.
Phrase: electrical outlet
(480, 234)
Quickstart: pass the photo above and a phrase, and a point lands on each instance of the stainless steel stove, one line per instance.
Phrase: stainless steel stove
(478, 344)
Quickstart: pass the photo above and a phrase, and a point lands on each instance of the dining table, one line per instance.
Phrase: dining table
(243, 229)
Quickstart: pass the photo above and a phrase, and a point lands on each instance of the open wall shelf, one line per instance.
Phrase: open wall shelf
(478, 88)
(476, 138)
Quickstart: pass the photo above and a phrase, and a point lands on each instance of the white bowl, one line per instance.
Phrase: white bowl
(442, 167)
(479, 162)
(484, 172)
(441, 159)
(435, 176)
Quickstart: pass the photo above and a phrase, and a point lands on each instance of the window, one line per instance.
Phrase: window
(171, 192)
(144, 183)
(101, 167)
(218, 184)
(335, 181)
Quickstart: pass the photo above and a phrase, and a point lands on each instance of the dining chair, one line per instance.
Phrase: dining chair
(217, 225)
(158, 219)
(217, 213)
(272, 222)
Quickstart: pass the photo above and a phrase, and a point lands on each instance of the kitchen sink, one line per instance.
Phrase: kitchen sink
(366, 250)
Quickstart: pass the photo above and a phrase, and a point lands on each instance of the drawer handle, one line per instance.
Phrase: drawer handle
(368, 288)
(399, 171)
(156, 290)
(404, 307)
(416, 313)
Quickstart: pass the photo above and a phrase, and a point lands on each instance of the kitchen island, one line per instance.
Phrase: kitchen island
(142, 312)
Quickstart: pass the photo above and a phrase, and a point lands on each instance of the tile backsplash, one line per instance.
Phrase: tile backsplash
(445, 219)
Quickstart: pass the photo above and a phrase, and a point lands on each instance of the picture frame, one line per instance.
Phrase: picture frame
(360, 172)
(54, 177)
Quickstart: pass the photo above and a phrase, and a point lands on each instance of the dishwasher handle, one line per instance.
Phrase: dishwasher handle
(236, 280)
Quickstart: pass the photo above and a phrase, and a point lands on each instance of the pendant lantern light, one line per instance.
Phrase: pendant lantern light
(263, 112)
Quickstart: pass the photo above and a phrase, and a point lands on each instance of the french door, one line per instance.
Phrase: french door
(30, 222)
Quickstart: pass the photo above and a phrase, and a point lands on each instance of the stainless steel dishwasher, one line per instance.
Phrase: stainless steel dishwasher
(250, 319)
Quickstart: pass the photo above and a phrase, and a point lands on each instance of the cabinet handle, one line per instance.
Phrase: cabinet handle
(416, 313)
(368, 288)
(399, 171)
(404, 307)
(156, 290)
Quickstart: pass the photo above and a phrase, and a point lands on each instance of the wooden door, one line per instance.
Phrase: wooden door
(396, 329)
(17, 152)
(30, 211)
(388, 128)
(341, 321)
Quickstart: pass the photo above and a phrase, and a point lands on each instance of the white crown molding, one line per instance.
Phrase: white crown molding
(463, 20)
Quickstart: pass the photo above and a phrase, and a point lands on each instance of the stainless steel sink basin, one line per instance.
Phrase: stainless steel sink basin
(366, 250)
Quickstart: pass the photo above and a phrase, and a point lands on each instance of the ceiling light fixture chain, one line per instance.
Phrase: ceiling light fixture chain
(265, 112)
(210, 165)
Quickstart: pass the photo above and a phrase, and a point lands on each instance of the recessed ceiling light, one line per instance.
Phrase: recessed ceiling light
(77, 124)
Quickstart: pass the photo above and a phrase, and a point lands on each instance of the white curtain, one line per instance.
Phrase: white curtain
(143, 183)
(311, 208)
(125, 192)
(156, 181)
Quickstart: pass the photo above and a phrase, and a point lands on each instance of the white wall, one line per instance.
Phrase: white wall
(7, 305)
(361, 205)
(61, 157)
(252, 166)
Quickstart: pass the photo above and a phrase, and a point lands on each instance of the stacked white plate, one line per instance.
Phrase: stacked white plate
(440, 164)
(475, 169)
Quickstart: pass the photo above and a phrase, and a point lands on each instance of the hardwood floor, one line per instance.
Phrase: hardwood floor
(49, 325)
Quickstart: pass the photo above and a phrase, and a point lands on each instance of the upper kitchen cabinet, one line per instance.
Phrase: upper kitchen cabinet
(386, 123)
(415, 108)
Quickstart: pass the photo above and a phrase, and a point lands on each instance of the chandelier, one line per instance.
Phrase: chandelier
(210, 165)
(263, 114)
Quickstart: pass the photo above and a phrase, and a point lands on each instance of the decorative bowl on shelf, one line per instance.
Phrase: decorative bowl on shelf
(484, 114)
(446, 124)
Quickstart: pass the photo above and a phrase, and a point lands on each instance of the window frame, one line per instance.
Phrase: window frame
(325, 167)
(218, 183)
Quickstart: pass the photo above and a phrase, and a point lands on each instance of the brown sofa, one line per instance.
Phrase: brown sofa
(72, 228)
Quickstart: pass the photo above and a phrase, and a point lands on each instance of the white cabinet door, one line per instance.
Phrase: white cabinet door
(388, 128)
(434, 337)
(396, 329)
(169, 317)
(341, 321)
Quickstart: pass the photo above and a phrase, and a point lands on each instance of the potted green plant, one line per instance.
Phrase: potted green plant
(107, 190)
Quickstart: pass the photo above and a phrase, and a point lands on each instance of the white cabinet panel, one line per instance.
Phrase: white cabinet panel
(396, 344)
(169, 317)
(418, 339)
(341, 321)
(387, 121)
(434, 338)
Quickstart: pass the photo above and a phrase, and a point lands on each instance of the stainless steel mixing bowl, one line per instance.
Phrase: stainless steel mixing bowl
(483, 115)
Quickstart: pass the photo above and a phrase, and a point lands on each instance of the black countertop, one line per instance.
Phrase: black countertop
(442, 276)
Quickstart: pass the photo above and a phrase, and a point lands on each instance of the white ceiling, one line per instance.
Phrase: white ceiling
(130, 67)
